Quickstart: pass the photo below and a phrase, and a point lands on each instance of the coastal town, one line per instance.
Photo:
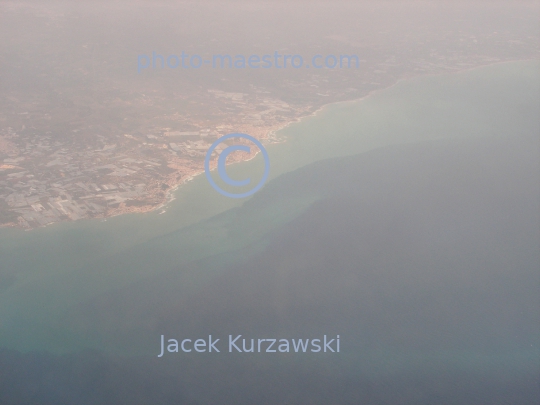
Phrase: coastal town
(106, 143)
(46, 182)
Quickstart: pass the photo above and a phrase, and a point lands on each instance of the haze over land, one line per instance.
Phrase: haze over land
(84, 135)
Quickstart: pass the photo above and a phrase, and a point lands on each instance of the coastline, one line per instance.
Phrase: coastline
(169, 195)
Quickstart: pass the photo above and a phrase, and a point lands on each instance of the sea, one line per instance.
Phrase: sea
(45, 272)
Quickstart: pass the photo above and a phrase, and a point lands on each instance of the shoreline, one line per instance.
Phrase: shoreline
(269, 134)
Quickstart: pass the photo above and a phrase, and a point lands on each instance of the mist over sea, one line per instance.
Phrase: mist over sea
(406, 222)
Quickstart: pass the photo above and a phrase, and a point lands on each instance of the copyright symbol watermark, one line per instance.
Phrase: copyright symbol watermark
(222, 159)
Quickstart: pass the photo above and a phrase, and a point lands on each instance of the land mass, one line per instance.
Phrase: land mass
(81, 138)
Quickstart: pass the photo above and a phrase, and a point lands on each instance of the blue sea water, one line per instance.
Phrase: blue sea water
(47, 271)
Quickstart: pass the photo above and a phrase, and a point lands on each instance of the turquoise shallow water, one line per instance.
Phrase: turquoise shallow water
(56, 267)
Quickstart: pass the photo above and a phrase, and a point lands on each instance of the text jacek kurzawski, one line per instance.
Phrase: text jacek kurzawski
(238, 344)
